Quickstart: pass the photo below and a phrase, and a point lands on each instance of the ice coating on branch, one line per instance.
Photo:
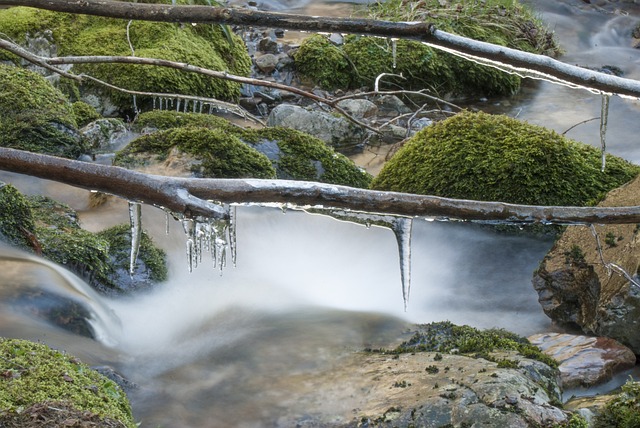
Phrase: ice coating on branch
(211, 235)
(604, 117)
(135, 219)
(399, 225)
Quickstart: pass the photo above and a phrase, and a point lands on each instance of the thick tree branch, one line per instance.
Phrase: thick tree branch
(190, 197)
(527, 64)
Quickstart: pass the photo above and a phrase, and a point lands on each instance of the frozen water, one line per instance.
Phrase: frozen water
(135, 217)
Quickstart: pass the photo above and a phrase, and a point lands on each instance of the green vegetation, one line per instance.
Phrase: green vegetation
(205, 46)
(35, 374)
(360, 59)
(293, 154)
(84, 113)
(624, 410)
(36, 117)
(575, 256)
(496, 158)
(16, 219)
(445, 337)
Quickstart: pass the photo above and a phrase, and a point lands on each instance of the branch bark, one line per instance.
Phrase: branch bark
(527, 64)
(191, 197)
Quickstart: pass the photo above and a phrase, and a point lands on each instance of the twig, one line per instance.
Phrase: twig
(609, 267)
(580, 123)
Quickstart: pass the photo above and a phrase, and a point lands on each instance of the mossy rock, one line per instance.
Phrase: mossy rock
(35, 116)
(35, 377)
(361, 59)
(486, 157)
(294, 154)
(208, 46)
(84, 113)
(17, 225)
(623, 411)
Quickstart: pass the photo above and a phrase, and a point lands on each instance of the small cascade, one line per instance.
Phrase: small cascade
(604, 118)
(135, 218)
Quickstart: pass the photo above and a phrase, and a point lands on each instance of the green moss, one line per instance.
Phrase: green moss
(361, 59)
(446, 337)
(119, 239)
(33, 373)
(84, 113)
(17, 224)
(623, 411)
(293, 154)
(200, 45)
(34, 116)
(496, 158)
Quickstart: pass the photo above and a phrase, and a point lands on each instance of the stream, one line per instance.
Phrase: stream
(244, 348)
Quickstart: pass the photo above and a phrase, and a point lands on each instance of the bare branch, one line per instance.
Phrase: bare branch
(526, 64)
(190, 197)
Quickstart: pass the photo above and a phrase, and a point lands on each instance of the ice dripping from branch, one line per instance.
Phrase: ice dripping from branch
(604, 117)
(135, 219)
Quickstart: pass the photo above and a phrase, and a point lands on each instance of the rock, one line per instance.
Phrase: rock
(268, 45)
(104, 134)
(391, 105)
(336, 131)
(266, 63)
(574, 287)
(584, 360)
(359, 108)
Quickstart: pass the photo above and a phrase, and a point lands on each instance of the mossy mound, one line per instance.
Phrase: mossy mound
(447, 338)
(84, 113)
(496, 158)
(623, 411)
(33, 374)
(293, 154)
(17, 226)
(361, 59)
(208, 46)
(36, 117)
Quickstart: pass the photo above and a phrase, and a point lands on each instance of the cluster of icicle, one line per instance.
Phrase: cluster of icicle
(197, 106)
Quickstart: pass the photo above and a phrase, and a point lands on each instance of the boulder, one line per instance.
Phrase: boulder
(585, 360)
(359, 108)
(592, 283)
(336, 131)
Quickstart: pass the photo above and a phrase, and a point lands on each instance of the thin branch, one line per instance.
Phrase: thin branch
(580, 123)
(609, 266)
(190, 196)
(526, 64)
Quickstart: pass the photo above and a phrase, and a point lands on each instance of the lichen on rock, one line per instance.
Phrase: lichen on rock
(35, 377)
(485, 157)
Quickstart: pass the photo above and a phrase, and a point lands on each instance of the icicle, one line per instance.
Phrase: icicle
(135, 217)
(194, 105)
(210, 108)
(135, 106)
(394, 43)
(200, 106)
(190, 231)
(402, 229)
(178, 106)
(232, 234)
(166, 223)
(154, 102)
(604, 117)
(186, 104)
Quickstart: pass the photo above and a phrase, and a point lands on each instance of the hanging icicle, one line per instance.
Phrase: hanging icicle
(604, 117)
(186, 105)
(232, 234)
(200, 106)
(178, 106)
(402, 229)
(394, 43)
(190, 230)
(135, 218)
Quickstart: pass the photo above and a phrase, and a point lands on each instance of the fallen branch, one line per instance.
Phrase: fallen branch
(191, 196)
(512, 60)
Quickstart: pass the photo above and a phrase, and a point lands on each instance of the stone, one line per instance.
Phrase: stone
(585, 360)
(391, 105)
(359, 108)
(105, 134)
(576, 288)
(266, 63)
(334, 130)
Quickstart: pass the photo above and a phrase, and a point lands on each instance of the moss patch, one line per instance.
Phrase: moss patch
(293, 154)
(33, 374)
(16, 219)
(496, 158)
(200, 45)
(361, 59)
(84, 113)
(36, 117)
(446, 337)
(623, 411)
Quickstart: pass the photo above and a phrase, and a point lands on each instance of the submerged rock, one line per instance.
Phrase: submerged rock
(586, 282)
(584, 360)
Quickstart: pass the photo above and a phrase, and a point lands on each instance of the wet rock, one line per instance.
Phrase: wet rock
(584, 360)
(336, 131)
(104, 134)
(359, 108)
(575, 287)
(268, 45)
(266, 63)
(391, 105)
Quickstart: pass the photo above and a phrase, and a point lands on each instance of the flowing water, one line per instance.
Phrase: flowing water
(250, 347)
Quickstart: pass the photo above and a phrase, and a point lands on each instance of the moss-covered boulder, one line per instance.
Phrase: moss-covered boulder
(289, 154)
(496, 158)
(35, 116)
(84, 113)
(208, 46)
(36, 379)
(17, 226)
(360, 59)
